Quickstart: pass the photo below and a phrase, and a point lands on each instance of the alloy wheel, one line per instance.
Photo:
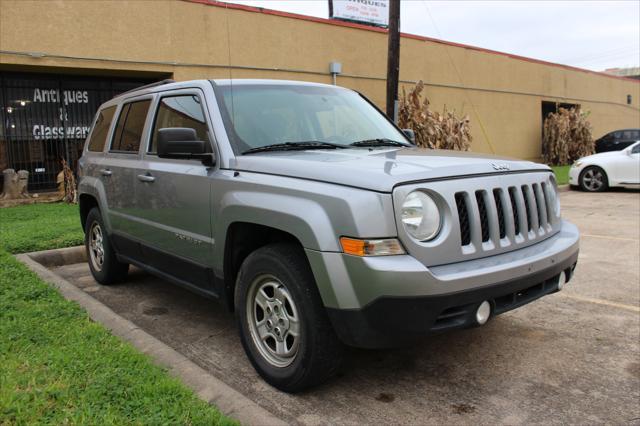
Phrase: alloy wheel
(593, 179)
(96, 246)
(273, 319)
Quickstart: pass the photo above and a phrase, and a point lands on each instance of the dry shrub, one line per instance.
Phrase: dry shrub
(70, 187)
(566, 136)
(433, 129)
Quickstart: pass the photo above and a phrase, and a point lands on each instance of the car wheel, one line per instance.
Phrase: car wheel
(283, 324)
(593, 179)
(103, 262)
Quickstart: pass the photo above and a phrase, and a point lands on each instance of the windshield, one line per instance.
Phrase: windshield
(260, 115)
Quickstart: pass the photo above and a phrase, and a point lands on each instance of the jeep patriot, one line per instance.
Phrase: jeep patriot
(314, 218)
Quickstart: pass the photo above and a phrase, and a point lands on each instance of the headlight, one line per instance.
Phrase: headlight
(420, 216)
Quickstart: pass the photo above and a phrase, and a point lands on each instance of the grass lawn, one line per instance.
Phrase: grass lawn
(562, 174)
(59, 367)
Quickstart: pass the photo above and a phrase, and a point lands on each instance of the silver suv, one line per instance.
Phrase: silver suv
(302, 208)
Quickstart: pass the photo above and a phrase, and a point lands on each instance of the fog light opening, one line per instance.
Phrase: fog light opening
(562, 280)
(483, 313)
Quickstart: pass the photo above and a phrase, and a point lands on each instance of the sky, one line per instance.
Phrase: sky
(588, 34)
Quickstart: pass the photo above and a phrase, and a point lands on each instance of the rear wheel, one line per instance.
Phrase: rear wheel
(103, 262)
(284, 327)
(593, 179)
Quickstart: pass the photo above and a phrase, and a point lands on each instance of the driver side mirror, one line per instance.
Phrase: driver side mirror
(410, 134)
(182, 143)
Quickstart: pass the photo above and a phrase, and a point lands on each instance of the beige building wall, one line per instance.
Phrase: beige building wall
(189, 39)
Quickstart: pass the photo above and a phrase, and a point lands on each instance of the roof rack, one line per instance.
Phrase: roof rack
(148, 86)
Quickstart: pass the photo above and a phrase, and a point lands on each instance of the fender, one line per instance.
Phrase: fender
(93, 186)
(306, 219)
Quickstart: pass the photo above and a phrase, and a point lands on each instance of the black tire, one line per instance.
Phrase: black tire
(319, 352)
(593, 179)
(110, 270)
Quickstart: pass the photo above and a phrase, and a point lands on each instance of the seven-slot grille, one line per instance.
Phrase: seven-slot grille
(504, 213)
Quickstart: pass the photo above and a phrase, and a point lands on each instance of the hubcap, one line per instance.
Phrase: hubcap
(593, 179)
(96, 247)
(273, 321)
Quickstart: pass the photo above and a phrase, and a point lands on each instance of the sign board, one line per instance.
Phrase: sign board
(369, 12)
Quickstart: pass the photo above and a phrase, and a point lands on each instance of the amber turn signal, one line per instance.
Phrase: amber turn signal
(382, 247)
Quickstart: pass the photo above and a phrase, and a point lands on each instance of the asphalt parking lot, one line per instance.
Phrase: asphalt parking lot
(571, 357)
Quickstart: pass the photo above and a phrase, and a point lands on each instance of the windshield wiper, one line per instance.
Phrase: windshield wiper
(379, 142)
(290, 146)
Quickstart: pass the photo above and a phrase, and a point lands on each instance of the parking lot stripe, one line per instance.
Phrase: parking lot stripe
(610, 238)
(603, 302)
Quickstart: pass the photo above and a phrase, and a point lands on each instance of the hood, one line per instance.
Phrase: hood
(608, 154)
(378, 169)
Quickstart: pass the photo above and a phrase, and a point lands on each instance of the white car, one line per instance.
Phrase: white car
(600, 171)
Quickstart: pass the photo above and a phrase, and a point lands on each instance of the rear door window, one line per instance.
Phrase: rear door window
(180, 111)
(128, 133)
(98, 136)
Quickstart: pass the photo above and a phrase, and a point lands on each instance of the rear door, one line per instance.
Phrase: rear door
(117, 172)
(173, 196)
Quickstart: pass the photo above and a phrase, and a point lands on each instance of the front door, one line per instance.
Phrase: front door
(630, 166)
(173, 196)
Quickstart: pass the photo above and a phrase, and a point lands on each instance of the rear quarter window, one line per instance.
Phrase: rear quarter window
(98, 136)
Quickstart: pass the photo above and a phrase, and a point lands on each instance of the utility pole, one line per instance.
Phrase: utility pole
(393, 60)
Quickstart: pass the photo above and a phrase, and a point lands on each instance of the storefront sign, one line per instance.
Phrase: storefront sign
(370, 12)
(61, 100)
(45, 118)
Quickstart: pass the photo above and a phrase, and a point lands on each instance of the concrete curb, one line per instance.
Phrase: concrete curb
(229, 401)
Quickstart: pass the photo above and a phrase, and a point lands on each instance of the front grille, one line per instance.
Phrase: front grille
(484, 217)
(504, 214)
(515, 208)
(527, 208)
(498, 200)
(463, 217)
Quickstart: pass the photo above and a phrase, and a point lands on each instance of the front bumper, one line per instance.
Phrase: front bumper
(574, 175)
(387, 301)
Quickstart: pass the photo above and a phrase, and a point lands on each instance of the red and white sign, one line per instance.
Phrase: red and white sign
(372, 12)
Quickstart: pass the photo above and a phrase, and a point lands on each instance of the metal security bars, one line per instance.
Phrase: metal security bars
(46, 118)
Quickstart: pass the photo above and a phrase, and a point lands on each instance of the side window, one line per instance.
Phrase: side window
(180, 111)
(635, 149)
(635, 135)
(128, 131)
(627, 134)
(617, 135)
(100, 129)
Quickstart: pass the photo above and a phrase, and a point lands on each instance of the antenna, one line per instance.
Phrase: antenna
(233, 116)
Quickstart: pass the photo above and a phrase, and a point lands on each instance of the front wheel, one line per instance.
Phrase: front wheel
(103, 262)
(284, 327)
(593, 179)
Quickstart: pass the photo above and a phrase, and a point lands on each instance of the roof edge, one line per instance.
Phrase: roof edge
(338, 23)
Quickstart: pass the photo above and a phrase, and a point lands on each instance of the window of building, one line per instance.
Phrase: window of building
(100, 129)
(130, 125)
(180, 111)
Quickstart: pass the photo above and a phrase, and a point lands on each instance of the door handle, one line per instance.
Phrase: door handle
(146, 178)
(105, 172)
